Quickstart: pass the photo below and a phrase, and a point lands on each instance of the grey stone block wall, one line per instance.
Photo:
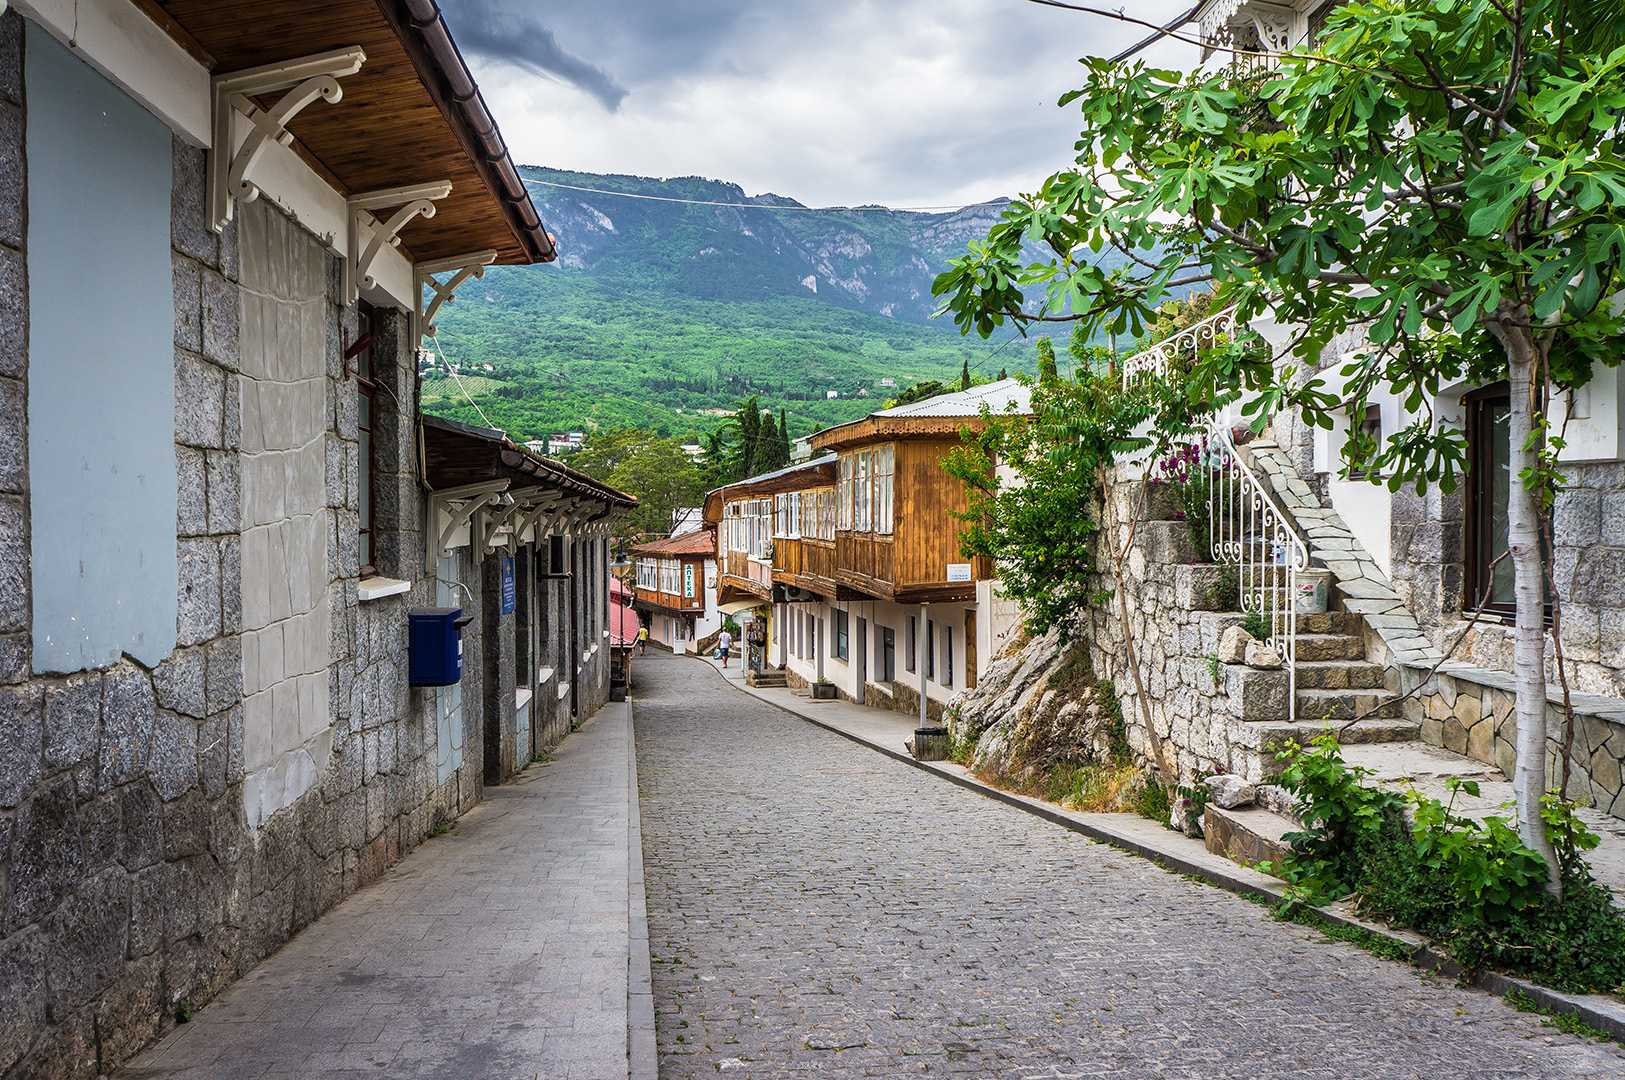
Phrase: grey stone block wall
(130, 879)
(131, 876)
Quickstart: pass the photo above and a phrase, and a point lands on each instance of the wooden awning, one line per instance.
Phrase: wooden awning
(411, 115)
(458, 455)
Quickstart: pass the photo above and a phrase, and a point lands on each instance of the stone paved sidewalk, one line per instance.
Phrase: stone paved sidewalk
(497, 950)
(815, 908)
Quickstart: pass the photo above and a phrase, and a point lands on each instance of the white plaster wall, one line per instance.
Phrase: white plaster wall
(287, 732)
(1367, 509)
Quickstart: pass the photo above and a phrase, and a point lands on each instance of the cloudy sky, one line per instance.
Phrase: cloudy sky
(832, 102)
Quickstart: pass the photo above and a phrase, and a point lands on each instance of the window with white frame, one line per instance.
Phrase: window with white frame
(818, 514)
(648, 574)
(670, 577)
(866, 490)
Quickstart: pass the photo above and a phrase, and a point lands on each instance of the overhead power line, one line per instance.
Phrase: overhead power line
(754, 206)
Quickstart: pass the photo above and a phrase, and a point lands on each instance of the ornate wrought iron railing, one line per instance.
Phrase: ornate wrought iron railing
(1246, 528)
(1207, 334)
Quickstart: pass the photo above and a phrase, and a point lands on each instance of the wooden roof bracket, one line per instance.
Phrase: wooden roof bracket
(513, 505)
(528, 521)
(472, 497)
(461, 268)
(310, 79)
(414, 201)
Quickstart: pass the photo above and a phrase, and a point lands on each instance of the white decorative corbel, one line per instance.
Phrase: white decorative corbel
(417, 200)
(542, 505)
(1275, 25)
(313, 78)
(472, 497)
(461, 268)
(512, 506)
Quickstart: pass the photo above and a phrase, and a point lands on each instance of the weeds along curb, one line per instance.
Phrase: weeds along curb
(1605, 1017)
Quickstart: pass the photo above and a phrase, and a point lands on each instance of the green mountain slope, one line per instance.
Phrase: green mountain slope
(660, 314)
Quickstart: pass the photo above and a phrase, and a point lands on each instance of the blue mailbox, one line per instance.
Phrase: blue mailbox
(435, 646)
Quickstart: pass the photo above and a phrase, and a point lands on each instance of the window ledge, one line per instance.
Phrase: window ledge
(521, 698)
(376, 588)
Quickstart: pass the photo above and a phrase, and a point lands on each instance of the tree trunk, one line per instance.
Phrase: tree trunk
(1529, 641)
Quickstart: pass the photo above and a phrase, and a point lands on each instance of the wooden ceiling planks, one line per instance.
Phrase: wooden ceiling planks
(388, 131)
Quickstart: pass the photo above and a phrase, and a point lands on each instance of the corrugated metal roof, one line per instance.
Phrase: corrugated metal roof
(997, 396)
(822, 459)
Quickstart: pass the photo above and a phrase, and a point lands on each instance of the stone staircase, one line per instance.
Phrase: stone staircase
(767, 678)
(1335, 684)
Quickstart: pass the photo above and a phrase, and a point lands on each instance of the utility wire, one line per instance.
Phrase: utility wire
(755, 206)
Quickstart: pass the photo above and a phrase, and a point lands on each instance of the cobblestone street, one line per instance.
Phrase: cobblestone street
(817, 908)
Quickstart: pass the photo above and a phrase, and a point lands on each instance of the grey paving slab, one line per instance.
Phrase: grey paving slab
(816, 908)
(499, 950)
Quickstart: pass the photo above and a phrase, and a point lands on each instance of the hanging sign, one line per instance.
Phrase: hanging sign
(507, 586)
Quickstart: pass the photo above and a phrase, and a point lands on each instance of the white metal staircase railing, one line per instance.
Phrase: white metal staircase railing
(1206, 334)
(1246, 527)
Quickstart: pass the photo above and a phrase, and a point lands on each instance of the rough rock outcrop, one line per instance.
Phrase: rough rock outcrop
(1036, 709)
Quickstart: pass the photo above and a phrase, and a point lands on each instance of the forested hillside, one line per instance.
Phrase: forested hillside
(660, 314)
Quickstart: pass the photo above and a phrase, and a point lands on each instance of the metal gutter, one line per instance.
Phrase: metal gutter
(423, 31)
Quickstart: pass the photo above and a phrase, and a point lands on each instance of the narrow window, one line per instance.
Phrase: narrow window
(911, 642)
(947, 656)
(930, 648)
(888, 654)
(1370, 433)
(365, 387)
(840, 635)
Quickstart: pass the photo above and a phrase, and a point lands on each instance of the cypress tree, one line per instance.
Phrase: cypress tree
(964, 375)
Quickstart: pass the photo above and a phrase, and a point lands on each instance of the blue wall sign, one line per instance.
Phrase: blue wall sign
(507, 586)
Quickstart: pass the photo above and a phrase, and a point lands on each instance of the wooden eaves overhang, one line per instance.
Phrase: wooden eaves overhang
(478, 477)
(811, 474)
(874, 429)
(411, 114)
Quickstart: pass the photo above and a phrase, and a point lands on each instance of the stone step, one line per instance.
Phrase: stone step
(1339, 675)
(764, 678)
(1313, 647)
(1315, 706)
(1254, 744)
(1330, 622)
(1247, 835)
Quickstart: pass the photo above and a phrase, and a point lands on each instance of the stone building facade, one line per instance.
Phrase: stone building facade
(198, 778)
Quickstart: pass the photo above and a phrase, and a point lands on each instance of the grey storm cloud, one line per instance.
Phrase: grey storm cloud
(497, 32)
(832, 102)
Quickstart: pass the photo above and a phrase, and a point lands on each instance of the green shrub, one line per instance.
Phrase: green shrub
(1225, 593)
(1471, 885)
(1151, 801)
(1259, 625)
(1339, 814)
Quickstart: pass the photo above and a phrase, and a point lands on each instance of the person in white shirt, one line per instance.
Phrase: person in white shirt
(725, 642)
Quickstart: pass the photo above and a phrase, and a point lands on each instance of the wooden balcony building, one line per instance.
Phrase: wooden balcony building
(853, 558)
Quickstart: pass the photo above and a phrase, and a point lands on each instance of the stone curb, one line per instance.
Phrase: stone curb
(1593, 1009)
(642, 1059)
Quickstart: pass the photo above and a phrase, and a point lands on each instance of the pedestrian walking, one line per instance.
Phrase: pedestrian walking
(725, 642)
(643, 638)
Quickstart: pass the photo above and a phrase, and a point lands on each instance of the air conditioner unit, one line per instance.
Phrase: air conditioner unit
(798, 596)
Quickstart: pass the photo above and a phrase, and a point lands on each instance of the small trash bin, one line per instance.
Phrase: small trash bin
(930, 744)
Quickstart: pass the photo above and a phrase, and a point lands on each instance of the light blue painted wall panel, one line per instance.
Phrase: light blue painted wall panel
(101, 368)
